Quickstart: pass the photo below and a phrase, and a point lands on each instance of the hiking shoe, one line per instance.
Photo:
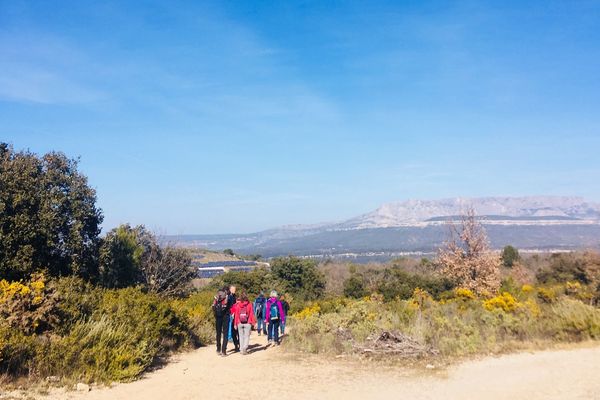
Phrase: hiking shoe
(223, 354)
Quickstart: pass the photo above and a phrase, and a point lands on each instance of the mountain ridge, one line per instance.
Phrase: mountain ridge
(531, 222)
(414, 211)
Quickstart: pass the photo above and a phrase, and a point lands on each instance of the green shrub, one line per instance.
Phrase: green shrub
(580, 267)
(106, 335)
(570, 319)
(301, 277)
(396, 283)
(253, 282)
(148, 317)
(197, 311)
(328, 330)
(17, 351)
(76, 302)
(355, 286)
(294, 276)
(98, 350)
(510, 256)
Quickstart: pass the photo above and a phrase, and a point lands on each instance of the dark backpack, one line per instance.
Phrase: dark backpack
(274, 311)
(244, 314)
(220, 304)
(260, 308)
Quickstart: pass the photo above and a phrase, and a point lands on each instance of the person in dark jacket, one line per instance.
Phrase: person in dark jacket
(260, 304)
(222, 311)
(286, 309)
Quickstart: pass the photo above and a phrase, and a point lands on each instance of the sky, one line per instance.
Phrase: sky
(238, 116)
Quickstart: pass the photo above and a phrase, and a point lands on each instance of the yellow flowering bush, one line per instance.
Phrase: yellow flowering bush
(27, 306)
(504, 301)
(308, 312)
(464, 294)
(527, 289)
(547, 295)
(572, 288)
(421, 298)
(532, 307)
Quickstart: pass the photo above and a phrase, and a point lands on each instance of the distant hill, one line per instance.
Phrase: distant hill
(420, 226)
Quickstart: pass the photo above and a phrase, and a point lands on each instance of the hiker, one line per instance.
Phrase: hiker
(274, 315)
(221, 308)
(234, 302)
(244, 320)
(259, 311)
(286, 308)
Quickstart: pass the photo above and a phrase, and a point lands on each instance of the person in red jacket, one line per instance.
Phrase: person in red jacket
(243, 321)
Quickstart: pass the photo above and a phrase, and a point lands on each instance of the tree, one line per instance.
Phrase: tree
(48, 216)
(132, 256)
(168, 271)
(467, 258)
(253, 282)
(121, 257)
(301, 276)
(229, 252)
(510, 256)
(395, 283)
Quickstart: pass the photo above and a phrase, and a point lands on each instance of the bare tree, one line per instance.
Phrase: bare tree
(467, 257)
(167, 270)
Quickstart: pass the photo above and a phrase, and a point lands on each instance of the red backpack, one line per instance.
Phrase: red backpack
(244, 316)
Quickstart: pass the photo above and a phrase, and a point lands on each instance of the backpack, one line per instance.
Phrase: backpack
(274, 311)
(220, 304)
(244, 314)
(260, 308)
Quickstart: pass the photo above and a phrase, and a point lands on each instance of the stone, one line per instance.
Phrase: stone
(82, 387)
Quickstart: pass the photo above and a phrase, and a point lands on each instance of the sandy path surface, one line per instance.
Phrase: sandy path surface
(201, 374)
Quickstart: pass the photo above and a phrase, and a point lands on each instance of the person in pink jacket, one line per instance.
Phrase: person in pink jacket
(274, 316)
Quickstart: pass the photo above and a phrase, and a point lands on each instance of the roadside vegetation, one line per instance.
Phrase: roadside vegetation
(76, 306)
(468, 300)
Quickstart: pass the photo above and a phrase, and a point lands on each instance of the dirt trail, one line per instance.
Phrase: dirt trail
(201, 374)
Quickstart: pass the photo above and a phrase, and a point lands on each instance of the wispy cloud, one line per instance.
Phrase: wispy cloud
(43, 68)
(27, 83)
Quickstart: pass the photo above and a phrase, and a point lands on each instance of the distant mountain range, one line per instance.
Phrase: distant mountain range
(420, 226)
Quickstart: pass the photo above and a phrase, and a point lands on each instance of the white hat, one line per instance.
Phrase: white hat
(273, 293)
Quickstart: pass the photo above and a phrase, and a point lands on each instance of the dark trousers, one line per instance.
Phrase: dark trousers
(222, 330)
(274, 330)
(261, 325)
(235, 336)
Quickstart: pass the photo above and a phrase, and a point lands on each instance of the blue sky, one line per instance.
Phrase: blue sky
(236, 116)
